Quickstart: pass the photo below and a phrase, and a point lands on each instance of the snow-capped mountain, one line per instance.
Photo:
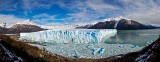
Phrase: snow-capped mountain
(19, 29)
(115, 19)
(120, 23)
(5, 25)
(26, 22)
(24, 26)
(29, 22)
(108, 23)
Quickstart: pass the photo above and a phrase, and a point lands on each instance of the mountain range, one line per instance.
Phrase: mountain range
(119, 23)
(30, 22)
(24, 26)
(15, 29)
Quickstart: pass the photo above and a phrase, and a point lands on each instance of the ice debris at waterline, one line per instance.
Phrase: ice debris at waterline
(75, 36)
(90, 51)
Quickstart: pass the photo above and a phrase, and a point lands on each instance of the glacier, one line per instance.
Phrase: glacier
(78, 43)
(74, 36)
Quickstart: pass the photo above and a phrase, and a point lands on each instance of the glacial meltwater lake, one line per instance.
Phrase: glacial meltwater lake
(135, 37)
(122, 42)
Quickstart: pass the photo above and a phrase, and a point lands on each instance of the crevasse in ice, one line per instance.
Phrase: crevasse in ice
(76, 36)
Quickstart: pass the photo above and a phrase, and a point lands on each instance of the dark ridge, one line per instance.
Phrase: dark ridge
(20, 28)
(122, 24)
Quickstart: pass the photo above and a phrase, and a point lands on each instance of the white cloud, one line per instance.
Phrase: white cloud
(45, 18)
(10, 19)
(87, 10)
(56, 24)
(43, 15)
(144, 11)
(100, 6)
(29, 5)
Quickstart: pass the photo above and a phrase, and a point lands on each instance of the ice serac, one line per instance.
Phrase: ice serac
(75, 36)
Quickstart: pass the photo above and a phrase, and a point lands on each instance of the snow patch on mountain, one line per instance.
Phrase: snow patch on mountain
(27, 22)
(6, 25)
(115, 19)
(116, 24)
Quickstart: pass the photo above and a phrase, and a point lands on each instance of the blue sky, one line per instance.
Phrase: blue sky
(50, 12)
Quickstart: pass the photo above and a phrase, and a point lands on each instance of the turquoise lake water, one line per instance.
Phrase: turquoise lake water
(135, 37)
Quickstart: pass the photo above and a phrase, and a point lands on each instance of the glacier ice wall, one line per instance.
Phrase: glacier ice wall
(76, 36)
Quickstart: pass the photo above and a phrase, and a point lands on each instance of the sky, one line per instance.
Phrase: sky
(66, 12)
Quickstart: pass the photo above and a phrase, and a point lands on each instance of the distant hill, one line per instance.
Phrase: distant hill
(24, 26)
(119, 23)
(18, 28)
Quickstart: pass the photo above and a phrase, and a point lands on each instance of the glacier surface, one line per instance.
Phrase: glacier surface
(74, 36)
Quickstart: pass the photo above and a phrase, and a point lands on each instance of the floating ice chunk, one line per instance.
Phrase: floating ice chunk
(76, 55)
(87, 50)
(98, 50)
(121, 46)
(76, 36)
(134, 46)
(101, 50)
